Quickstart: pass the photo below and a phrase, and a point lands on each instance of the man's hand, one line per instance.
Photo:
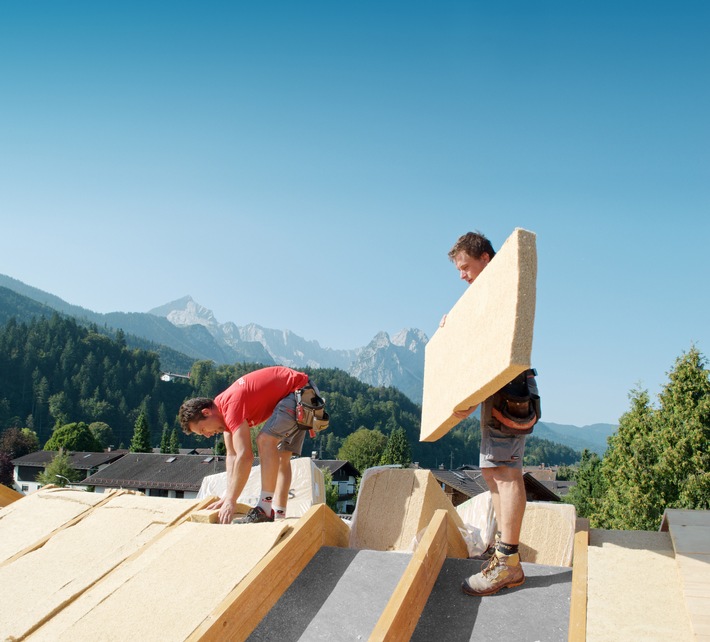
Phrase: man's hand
(217, 504)
(462, 414)
(442, 323)
(226, 511)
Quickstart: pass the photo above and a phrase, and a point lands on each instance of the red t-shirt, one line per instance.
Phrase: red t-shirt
(254, 396)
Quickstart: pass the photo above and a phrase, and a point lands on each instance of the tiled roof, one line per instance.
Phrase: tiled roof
(334, 465)
(541, 474)
(78, 460)
(150, 470)
(470, 482)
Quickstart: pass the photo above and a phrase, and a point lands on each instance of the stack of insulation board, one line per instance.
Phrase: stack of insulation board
(88, 566)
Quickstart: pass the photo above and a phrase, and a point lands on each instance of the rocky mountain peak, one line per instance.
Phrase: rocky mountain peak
(185, 312)
(386, 361)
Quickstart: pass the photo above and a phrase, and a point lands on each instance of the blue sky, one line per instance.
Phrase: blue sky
(251, 154)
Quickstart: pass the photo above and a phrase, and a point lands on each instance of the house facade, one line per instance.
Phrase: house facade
(345, 477)
(27, 467)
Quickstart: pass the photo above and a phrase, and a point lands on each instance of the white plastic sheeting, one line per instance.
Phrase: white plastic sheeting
(307, 487)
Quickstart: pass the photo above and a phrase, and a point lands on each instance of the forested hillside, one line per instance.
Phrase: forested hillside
(54, 372)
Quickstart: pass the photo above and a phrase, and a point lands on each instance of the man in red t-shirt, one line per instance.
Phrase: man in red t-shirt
(265, 395)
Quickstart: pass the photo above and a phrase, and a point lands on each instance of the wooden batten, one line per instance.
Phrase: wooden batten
(242, 610)
(580, 577)
(8, 495)
(400, 616)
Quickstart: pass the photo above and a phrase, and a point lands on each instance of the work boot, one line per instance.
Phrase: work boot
(255, 516)
(501, 571)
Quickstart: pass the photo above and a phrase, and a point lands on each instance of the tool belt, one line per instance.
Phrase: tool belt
(310, 409)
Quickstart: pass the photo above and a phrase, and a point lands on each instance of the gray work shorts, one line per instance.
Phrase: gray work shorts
(497, 448)
(282, 424)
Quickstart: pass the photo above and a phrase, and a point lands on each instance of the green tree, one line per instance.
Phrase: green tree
(74, 436)
(174, 444)
(632, 499)
(363, 448)
(331, 490)
(684, 434)
(658, 458)
(397, 450)
(141, 436)
(59, 470)
(219, 446)
(165, 440)
(59, 407)
(103, 433)
(588, 490)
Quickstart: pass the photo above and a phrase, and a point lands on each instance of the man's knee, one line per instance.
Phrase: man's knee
(264, 440)
(501, 474)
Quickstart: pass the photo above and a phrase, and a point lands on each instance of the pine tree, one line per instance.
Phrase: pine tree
(397, 450)
(588, 489)
(632, 499)
(684, 434)
(174, 444)
(659, 458)
(141, 436)
(165, 440)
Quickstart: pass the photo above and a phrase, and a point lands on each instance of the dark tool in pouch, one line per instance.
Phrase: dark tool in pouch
(516, 406)
(310, 410)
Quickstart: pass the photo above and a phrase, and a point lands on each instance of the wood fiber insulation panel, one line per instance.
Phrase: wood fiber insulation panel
(547, 533)
(38, 515)
(74, 558)
(394, 506)
(634, 590)
(486, 340)
(247, 605)
(166, 592)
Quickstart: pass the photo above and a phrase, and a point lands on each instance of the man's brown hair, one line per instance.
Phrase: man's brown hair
(191, 411)
(474, 244)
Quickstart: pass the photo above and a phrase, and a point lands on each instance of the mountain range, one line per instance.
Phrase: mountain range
(184, 327)
(183, 331)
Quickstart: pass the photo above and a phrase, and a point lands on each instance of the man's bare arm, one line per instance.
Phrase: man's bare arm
(239, 462)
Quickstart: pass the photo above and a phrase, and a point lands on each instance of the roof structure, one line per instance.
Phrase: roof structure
(151, 470)
(469, 482)
(78, 460)
(87, 566)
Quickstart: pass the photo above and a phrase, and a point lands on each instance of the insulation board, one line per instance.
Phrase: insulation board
(75, 558)
(166, 592)
(38, 515)
(394, 506)
(547, 533)
(486, 340)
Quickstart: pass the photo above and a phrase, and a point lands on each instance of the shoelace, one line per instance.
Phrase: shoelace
(493, 563)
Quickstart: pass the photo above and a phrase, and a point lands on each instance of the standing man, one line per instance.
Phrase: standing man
(502, 447)
(263, 395)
